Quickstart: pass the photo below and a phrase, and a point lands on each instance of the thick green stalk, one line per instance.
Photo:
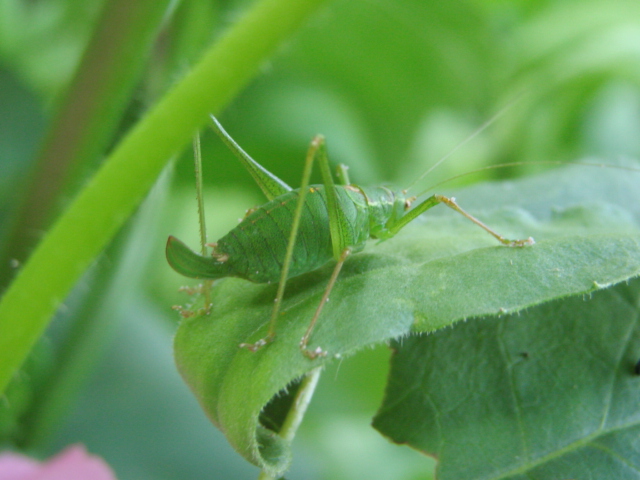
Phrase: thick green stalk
(118, 187)
(86, 117)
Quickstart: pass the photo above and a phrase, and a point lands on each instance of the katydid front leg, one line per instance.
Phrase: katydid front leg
(451, 203)
(341, 241)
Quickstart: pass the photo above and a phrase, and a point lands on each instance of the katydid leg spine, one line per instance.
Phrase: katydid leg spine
(288, 236)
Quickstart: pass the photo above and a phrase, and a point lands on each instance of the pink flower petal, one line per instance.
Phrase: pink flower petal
(16, 467)
(74, 463)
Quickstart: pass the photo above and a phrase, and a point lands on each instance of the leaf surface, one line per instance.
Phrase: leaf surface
(547, 394)
(437, 271)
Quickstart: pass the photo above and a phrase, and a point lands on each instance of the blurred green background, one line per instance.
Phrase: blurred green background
(394, 85)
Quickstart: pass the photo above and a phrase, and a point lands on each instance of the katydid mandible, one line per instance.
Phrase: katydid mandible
(300, 230)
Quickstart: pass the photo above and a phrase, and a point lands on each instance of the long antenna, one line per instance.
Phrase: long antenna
(518, 164)
(478, 131)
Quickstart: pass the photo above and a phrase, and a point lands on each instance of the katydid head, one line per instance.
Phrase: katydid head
(408, 201)
(385, 208)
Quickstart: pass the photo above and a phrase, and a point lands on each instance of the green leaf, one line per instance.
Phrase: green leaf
(548, 394)
(439, 270)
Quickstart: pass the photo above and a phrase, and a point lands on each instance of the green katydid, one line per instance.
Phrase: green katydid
(300, 230)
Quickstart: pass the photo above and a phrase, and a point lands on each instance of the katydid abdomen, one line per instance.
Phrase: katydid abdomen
(255, 249)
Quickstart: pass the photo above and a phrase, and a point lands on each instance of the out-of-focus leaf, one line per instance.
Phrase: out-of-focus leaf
(547, 394)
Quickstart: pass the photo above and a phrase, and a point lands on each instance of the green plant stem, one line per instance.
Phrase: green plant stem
(299, 407)
(86, 117)
(94, 321)
(296, 412)
(111, 196)
(266, 476)
(83, 346)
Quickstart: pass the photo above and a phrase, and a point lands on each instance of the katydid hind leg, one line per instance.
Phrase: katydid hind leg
(179, 255)
(342, 174)
(270, 185)
(341, 242)
(341, 236)
(312, 152)
(304, 342)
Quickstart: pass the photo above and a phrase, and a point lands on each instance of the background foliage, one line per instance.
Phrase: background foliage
(392, 85)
